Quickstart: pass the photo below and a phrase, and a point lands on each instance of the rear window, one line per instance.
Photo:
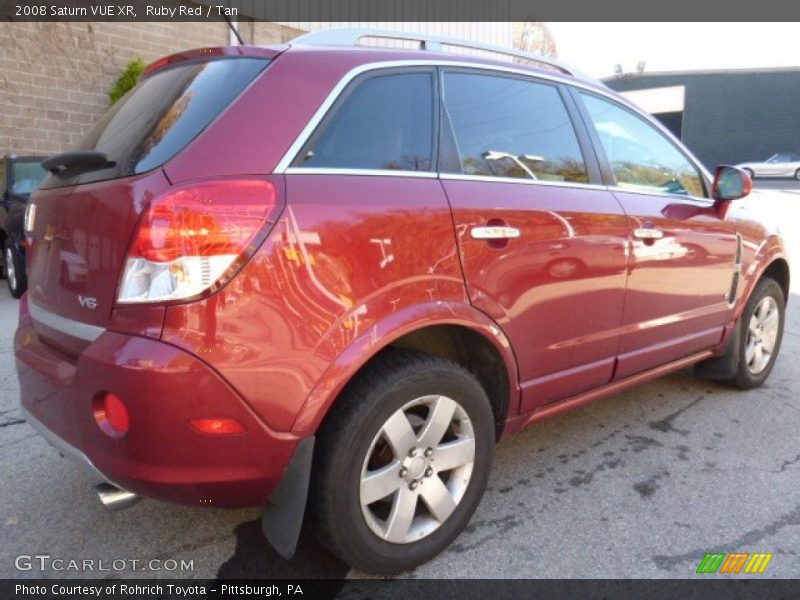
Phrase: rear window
(162, 114)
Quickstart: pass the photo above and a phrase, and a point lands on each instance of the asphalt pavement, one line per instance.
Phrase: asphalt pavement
(642, 484)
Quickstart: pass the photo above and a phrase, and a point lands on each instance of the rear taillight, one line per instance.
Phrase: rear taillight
(194, 238)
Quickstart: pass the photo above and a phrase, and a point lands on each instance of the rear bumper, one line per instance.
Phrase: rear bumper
(163, 387)
(64, 449)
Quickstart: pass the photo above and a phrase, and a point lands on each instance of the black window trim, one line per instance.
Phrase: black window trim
(609, 178)
(583, 126)
(446, 133)
(296, 166)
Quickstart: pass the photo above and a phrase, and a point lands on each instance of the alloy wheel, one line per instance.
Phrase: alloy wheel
(762, 334)
(417, 469)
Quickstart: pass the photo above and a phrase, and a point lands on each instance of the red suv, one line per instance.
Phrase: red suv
(329, 278)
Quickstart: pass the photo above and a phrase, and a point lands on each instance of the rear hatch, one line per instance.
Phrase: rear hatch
(82, 219)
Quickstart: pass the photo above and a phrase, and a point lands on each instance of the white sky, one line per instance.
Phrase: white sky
(595, 48)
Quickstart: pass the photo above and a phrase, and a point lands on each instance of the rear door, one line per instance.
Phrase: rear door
(683, 252)
(542, 243)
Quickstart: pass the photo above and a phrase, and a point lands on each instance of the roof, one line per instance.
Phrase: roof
(368, 54)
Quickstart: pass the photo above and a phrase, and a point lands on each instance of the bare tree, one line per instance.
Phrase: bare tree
(534, 36)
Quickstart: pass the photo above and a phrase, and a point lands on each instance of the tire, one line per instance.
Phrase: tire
(350, 445)
(767, 293)
(14, 270)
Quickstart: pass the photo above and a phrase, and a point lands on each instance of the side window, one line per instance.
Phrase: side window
(506, 127)
(640, 156)
(3, 183)
(386, 122)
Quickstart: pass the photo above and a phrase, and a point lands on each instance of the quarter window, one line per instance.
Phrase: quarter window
(386, 122)
(508, 127)
(641, 157)
(159, 117)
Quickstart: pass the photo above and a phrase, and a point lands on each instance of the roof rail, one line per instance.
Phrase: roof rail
(434, 43)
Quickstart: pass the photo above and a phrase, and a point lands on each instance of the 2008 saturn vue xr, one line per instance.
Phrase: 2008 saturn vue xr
(327, 279)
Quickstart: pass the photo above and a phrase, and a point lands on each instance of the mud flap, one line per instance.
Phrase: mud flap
(283, 515)
(724, 367)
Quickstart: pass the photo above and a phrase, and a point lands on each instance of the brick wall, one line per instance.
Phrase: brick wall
(55, 77)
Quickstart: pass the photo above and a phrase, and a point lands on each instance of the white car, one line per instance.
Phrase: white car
(782, 164)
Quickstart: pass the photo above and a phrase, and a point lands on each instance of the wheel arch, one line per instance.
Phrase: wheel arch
(770, 261)
(778, 270)
(726, 363)
(471, 350)
(458, 332)
(775, 266)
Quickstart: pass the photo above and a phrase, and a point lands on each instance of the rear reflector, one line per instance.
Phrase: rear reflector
(194, 238)
(111, 414)
(220, 426)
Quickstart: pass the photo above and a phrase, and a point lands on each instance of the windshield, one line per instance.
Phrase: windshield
(780, 158)
(26, 176)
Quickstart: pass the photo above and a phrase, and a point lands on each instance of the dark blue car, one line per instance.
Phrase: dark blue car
(19, 176)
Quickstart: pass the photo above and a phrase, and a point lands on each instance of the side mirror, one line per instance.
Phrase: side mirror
(730, 183)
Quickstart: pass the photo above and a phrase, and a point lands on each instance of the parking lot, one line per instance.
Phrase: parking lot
(642, 484)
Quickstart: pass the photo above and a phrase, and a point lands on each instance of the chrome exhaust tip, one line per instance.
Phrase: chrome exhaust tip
(114, 498)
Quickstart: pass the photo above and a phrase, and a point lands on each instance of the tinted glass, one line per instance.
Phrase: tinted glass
(26, 176)
(641, 157)
(162, 114)
(385, 123)
(512, 128)
(2, 178)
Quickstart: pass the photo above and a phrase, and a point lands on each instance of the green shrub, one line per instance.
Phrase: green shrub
(126, 80)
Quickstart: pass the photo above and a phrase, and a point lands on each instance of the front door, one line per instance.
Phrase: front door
(543, 248)
(683, 253)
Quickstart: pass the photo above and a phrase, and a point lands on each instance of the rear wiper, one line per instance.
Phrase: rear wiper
(76, 161)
